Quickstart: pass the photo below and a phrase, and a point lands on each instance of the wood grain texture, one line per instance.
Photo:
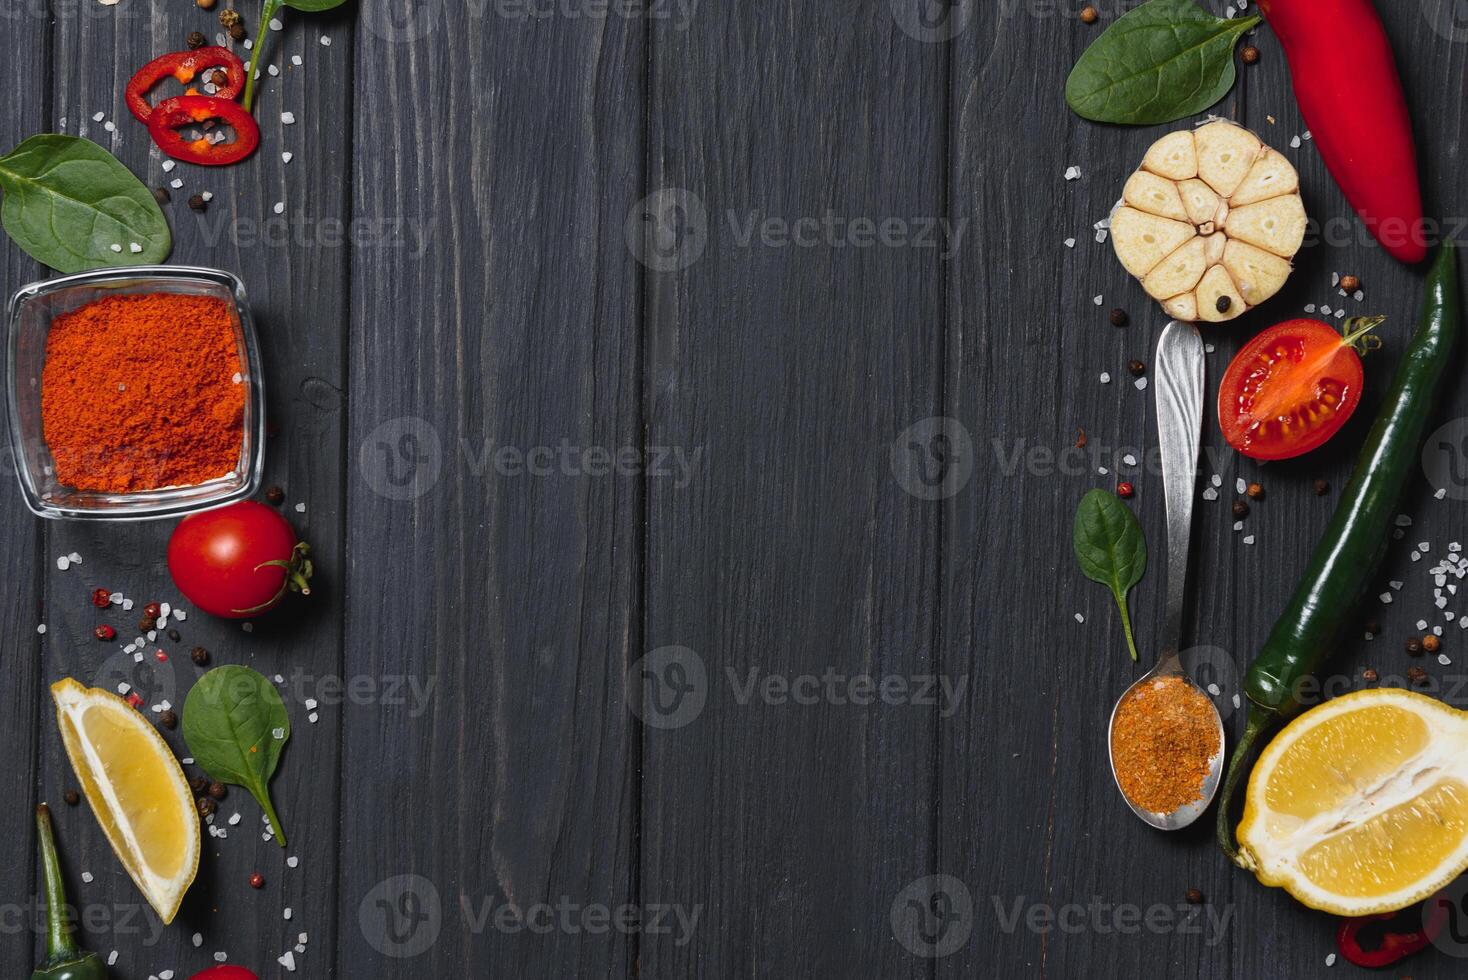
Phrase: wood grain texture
(794, 552)
(508, 582)
(21, 712)
(296, 284)
(564, 381)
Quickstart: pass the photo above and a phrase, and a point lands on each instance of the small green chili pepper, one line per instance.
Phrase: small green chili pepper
(1343, 562)
(64, 960)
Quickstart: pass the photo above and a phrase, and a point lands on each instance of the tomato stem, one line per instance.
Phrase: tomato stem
(1358, 335)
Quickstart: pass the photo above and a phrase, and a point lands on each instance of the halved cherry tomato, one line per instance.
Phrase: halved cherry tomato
(1292, 387)
(184, 66)
(194, 110)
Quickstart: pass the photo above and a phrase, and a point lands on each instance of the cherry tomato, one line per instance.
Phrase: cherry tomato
(1291, 388)
(225, 972)
(237, 561)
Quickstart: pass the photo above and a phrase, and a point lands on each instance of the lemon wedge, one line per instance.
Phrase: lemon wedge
(1360, 805)
(136, 788)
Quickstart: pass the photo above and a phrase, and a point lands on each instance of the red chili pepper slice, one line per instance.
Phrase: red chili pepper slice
(195, 110)
(1392, 945)
(184, 66)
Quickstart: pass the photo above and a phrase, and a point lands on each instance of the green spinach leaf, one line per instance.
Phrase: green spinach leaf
(73, 207)
(1110, 546)
(235, 726)
(313, 6)
(1162, 61)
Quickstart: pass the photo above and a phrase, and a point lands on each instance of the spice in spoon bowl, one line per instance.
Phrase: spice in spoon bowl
(1163, 741)
(135, 393)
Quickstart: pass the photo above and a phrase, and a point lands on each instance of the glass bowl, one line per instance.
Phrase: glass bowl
(31, 312)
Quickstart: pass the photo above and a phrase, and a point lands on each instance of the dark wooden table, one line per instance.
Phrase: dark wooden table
(602, 337)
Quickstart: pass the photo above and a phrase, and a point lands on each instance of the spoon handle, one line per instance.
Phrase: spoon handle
(1179, 366)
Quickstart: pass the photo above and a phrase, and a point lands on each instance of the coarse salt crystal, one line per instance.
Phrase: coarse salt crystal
(300, 508)
(1070, 243)
(98, 117)
(1210, 494)
(41, 629)
(175, 183)
(279, 207)
(115, 248)
(288, 118)
(312, 717)
(1080, 618)
(1140, 384)
(1105, 378)
(287, 156)
(1072, 173)
(292, 861)
(296, 60)
(87, 877)
(1248, 539)
(272, 70)
(168, 166)
(325, 41)
(275, 24)
(63, 563)
(134, 247)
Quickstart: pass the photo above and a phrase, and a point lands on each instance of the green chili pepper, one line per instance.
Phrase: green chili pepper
(1346, 557)
(64, 960)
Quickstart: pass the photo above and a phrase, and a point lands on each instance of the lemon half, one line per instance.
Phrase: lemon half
(1360, 805)
(136, 789)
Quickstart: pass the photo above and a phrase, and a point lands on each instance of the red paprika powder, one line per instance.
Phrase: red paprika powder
(142, 392)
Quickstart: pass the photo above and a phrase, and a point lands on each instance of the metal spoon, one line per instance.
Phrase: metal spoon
(1178, 369)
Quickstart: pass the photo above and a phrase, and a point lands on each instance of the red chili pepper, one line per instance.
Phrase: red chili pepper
(184, 66)
(194, 110)
(105, 633)
(1351, 98)
(135, 699)
(225, 973)
(1393, 946)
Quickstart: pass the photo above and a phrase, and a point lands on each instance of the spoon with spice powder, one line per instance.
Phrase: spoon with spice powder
(1166, 737)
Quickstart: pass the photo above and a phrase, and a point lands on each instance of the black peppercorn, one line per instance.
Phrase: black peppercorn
(1241, 509)
(218, 791)
(1224, 304)
(72, 797)
(1119, 317)
(199, 785)
(1416, 675)
(1195, 897)
(168, 720)
(173, 635)
(1414, 646)
(1320, 487)
(1250, 55)
(275, 495)
(1137, 368)
(198, 203)
(161, 195)
(1369, 675)
(196, 40)
(199, 656)
(207, 806)
(237, 32)
(147, 623)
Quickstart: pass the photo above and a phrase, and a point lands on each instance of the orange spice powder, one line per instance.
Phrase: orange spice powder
(1161, 743)
(142, 392)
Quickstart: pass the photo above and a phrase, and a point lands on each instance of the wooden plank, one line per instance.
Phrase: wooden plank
(792, 364)
(505, 578)
(297, 284)
(20, 606)
(1029, 763)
